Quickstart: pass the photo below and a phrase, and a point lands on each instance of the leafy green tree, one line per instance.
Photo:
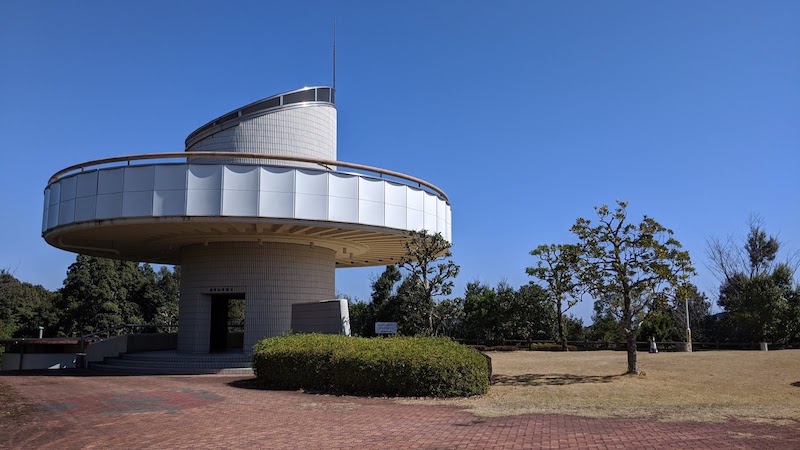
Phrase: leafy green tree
(630, 268)
(605, 326)
(756, 290)
(556, 269)
(25, 307)
(699, 313)
(505, 313)
(449, 315)
(481, 313)
(362, 318)
(573, 327)
(99, 293)
(430, 271)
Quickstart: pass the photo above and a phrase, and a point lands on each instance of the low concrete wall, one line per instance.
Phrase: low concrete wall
(328, 316)
(152, 342)
(38, 361)
(107, 348)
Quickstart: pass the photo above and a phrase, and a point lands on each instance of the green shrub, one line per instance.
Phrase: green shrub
(398, 366)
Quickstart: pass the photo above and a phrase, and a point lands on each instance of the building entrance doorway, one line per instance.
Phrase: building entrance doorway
(227, 322)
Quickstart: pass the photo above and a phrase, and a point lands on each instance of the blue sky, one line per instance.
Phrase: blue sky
(527, 114)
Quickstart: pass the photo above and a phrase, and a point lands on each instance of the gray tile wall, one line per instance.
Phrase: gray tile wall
(272, 276)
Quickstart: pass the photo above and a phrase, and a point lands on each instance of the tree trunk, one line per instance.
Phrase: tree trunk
(561, 335)
(633, 365)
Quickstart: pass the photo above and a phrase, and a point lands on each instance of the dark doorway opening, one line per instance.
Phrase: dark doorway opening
(227, 322)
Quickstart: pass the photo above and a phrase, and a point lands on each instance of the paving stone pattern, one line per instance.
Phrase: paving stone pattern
(211, 411)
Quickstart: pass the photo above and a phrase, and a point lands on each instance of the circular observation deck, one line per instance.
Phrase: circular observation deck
(129, 208)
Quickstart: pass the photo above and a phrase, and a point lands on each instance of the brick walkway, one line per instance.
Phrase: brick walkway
(217, 412)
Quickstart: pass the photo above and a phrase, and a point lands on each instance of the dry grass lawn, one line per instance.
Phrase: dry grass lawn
(701, 386)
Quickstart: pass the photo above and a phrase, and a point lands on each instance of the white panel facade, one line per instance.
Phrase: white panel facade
(87, 184)
(68, 189)
(109, 206)
(241, 178)
(242, 191)
(110, 181)
(276, 179)
(240, 203)
(169, 202)
(46, 208)
(276, 204)
(139, 179)
(208, 177)
(66, 211)
(170, 177)
(203, 202)
(137, 203)
(85, 208)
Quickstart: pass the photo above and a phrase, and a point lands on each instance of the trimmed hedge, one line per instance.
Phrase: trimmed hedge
(397, 366)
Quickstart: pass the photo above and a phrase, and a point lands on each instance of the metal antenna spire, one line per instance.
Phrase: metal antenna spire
(334, 53)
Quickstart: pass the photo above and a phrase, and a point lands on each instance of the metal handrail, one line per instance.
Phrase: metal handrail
(238, 155)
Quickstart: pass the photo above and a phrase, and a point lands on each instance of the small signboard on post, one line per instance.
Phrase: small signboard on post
(385, 328)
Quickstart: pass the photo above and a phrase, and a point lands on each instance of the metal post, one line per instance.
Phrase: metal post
(688, 328)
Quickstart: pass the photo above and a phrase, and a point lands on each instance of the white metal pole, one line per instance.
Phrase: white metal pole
(688, 328)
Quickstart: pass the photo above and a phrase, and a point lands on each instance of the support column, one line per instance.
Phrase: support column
(272, 276)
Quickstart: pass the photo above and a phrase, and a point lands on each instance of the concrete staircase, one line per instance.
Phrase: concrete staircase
(170, 362)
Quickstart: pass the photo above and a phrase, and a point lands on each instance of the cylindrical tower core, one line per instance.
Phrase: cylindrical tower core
(296, 123)
(269, 276)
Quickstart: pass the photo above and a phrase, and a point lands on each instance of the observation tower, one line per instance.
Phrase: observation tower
(257, 207)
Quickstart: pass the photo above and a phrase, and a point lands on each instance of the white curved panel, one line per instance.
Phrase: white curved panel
(170, 177)
(55, 193)
(67, 189)
(395, 216)
(46, 207)
(110, 181)
(415, 199)
(85, 208)
(340, 185)
(371, 213)
(203, 202)
(139, 179)
(240, 202)
(87, 184)
(395, 194)
(371, 190)
(276, 204)
(204, 176)
(241, 178)
(66, 212)
(276, 179)
(109, 206)
(169, 202)
(311, 207)
(415, 220)
(52, 215)
(342, 209)
(137, 203)
(307, 182)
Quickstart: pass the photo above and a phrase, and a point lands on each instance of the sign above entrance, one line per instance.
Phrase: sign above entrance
(222, 290)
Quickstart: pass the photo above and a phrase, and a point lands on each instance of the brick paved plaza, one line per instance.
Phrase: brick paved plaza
(166, 412)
